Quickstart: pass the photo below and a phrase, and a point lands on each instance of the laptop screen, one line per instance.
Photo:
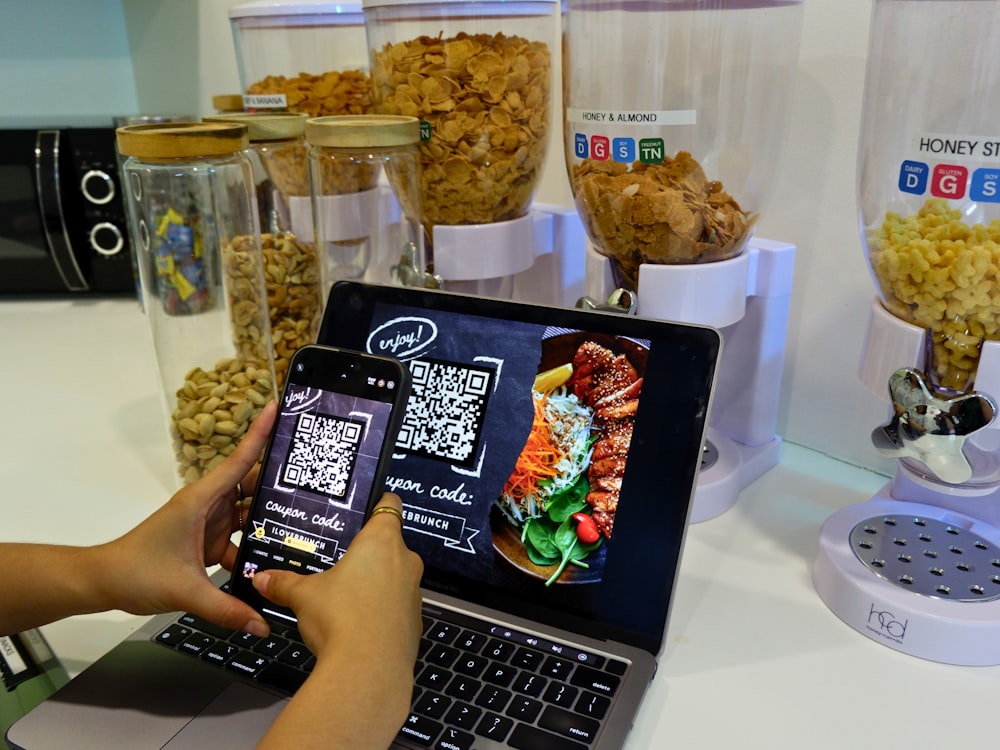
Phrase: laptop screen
(547, 456)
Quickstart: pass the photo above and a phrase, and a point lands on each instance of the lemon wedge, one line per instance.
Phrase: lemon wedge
(552, 379)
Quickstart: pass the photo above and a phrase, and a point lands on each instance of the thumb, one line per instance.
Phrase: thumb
(277, 585)
(230, 612)
(247, 453)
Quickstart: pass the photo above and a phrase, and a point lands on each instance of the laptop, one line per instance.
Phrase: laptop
(546, 463)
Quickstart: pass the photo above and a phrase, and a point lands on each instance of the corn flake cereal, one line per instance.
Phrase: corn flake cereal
(658, 213)
(346, 92)
(332, 93)
(486, 98)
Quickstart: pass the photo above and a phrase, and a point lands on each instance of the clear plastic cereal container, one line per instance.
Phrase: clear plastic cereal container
(479, 77)
(929, 175)
(189, 194)
(673, 140)
(305, 56)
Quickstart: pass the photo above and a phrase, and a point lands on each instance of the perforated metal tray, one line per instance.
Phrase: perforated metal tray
(929, 557)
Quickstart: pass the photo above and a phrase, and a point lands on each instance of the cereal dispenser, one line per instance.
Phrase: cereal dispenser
(305, 56)
(311, 56)
(672, 149)
(917, 567)
(478, 75)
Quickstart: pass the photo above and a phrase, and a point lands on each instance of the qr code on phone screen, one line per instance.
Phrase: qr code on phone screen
(444, 415)
(322, 454)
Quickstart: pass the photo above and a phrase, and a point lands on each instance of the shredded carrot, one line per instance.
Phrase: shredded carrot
(539, 457)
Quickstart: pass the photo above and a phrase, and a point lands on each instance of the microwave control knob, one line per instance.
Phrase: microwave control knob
(106, 238)
(98, 187)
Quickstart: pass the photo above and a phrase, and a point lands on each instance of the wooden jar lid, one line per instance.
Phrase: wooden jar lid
(181, 140)
(266, 126)
(228, 102)
(362, 131)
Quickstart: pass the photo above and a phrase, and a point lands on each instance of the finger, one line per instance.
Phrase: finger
(229, 612)
(229, 557)
(249, 481)
(390, 499)
(241, 513)
(226, 475)
(277, 585)
(389, 505)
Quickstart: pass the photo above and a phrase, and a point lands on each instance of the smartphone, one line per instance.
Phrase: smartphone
(324, 466)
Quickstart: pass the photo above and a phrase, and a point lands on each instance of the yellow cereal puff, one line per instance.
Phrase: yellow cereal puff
(942, 274)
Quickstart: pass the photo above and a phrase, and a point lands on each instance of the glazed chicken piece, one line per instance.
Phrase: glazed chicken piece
(610, 385)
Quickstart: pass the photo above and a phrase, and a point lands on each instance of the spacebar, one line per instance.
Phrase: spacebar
(530, 738)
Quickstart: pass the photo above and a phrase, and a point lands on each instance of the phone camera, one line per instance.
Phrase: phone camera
(299, 367)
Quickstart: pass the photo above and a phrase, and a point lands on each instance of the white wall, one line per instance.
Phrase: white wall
(824, 405)
(163, 39)
(60, 58)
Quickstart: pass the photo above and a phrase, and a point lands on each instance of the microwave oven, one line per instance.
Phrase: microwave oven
(62, 212)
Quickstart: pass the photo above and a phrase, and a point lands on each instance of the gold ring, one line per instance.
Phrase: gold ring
(389, 509)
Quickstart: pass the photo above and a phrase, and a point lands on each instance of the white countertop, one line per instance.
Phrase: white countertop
(753, 658)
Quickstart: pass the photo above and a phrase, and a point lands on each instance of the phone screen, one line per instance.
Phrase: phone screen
(324, 465)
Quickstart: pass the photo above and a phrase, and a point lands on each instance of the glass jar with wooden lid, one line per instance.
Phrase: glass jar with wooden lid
(189, 189)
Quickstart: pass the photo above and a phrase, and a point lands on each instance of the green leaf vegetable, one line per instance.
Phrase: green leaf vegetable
(551, 538)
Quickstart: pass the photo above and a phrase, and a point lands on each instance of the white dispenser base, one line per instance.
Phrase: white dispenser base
(937, 628)
(898, 602)
(736, 466)
(747, 298)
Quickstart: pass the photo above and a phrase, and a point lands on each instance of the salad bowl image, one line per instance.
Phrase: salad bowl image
(556, 511)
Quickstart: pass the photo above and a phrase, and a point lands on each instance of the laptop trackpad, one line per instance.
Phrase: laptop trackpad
(240, 712)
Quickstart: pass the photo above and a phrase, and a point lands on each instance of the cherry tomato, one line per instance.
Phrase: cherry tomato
(586, 528)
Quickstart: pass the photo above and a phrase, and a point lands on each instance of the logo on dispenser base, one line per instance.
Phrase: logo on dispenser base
(886, 625)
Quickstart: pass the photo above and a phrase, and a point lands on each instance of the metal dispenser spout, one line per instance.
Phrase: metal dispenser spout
(931, 428)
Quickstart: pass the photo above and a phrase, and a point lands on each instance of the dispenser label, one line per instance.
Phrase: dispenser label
(624, 150)
(264, 102)
(633, 117)
(603, 146)
(957, 147)
(952, 167)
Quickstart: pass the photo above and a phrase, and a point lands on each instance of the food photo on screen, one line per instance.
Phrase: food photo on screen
(557, 508)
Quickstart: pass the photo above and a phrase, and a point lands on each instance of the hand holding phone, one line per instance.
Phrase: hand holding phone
(324, 466)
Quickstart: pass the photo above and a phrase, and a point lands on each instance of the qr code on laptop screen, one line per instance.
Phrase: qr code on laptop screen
(444, 415)
(322, 454)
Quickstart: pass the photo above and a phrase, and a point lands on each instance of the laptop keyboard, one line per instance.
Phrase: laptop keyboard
(280, 661)
(474, 680)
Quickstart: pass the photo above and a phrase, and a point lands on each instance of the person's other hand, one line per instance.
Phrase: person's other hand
(160, 566)
(367, 605)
